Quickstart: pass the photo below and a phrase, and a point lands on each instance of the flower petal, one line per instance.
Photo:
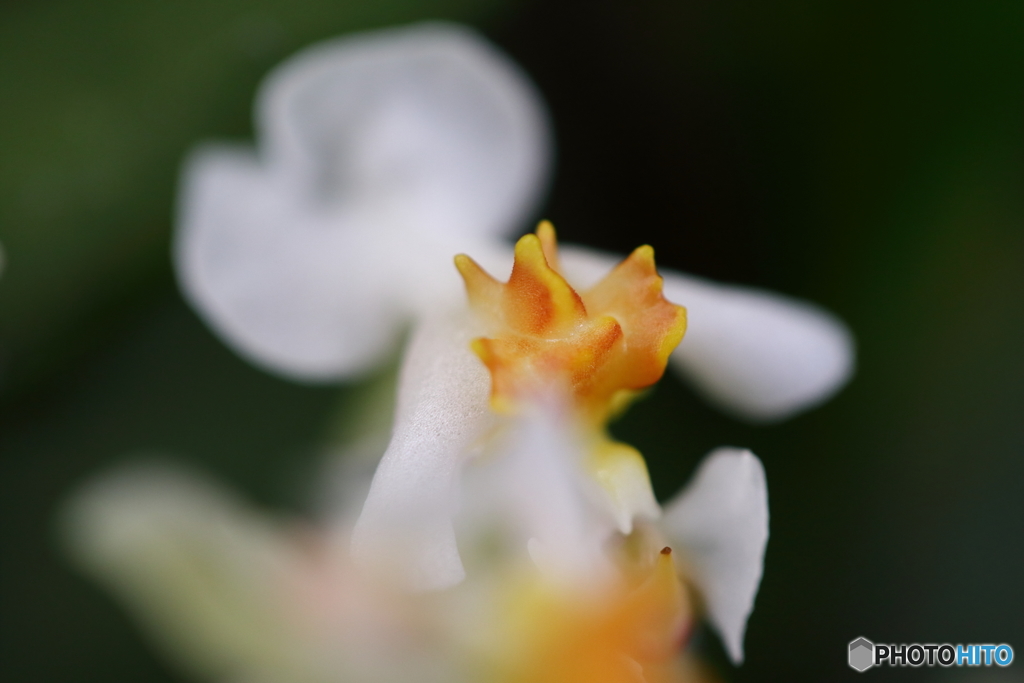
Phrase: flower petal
(429, 123)
(381, 156)
(536, 489)
(406, 524)
(302, 294)
(762, 355)
(720, 522)
(233, 595)
(198, 569)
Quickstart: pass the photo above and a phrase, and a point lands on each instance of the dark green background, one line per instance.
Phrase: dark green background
(866, 155)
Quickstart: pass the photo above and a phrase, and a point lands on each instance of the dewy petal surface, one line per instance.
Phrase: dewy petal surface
(406, 522)
(761, 355)
(720, 522)
(380, 156)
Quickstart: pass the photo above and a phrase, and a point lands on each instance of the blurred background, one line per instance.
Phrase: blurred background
(868, 156)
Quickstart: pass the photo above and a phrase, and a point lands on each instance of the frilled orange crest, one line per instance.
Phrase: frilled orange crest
(601, 346)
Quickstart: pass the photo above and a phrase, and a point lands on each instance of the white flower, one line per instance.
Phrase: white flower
(381, 157)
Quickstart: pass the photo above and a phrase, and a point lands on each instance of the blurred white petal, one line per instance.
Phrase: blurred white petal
(233, 595)
(307, 294)
(535, 485)
(430, 124)
(762, 355)
(442, 413)
(201, 572)
(720, 523)
(558, 501)
(381, 156)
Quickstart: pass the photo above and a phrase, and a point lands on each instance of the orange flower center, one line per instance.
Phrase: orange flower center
(599, 347)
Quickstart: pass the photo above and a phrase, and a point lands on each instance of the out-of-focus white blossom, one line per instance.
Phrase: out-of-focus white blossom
(232, 593)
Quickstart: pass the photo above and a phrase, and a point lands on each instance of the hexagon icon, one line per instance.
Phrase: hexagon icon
(862, 654)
